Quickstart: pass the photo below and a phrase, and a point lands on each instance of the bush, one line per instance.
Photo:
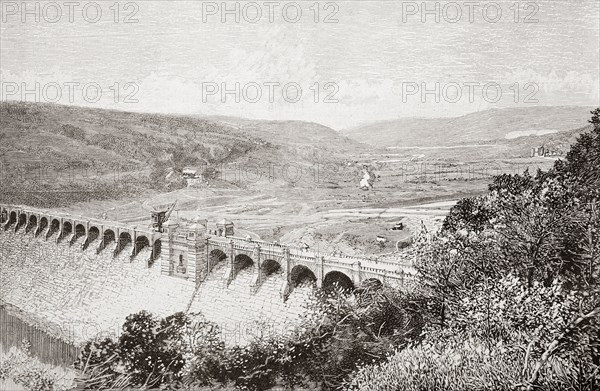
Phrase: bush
(203, 353)
(512, 285)
(455, 363)
(148, 348)
(452, 365)
(340, 332)
(150, 352)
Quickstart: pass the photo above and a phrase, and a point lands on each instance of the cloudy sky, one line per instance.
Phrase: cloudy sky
(339, 63)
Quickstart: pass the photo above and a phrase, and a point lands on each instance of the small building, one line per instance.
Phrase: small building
(225, 228)
(538, 151)
(197, 229)
(189, 173)
(170, 226)
(546, 151)
(399, 226)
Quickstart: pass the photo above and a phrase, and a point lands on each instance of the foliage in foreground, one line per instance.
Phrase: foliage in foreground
(340, 332)
(26, 371)
(463, 365)
(149, 352)
(512, 286)
(497, 340)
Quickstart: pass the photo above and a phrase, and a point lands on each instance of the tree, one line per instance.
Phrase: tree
(583, 160)
(471, 214)
(149, 352)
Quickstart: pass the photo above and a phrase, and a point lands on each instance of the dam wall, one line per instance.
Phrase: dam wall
(82, 293)
(82, 276)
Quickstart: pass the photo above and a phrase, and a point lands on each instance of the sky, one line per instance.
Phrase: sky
(338, 63)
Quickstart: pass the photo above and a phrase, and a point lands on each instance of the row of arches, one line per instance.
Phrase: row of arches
(242, 261)
(66, 230)
(123, 241)
(299, 274)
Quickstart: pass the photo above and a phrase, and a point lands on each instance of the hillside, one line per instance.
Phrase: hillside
(476, 128)
(292, 134)
(47, 150)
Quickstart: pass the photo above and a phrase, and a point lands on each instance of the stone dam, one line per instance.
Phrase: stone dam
(81, 277)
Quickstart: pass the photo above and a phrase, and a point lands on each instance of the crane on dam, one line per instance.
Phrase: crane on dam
(161, 215)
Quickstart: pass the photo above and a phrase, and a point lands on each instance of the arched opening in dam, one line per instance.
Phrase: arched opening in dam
(215, 257)
(301, 274)
(124, 241)
(79, 230)
(242, 262)
(31, 224)
(337, 280)
(108, 236)
(3, 216)
(79, 233)
(67, 229)
(22, 221)
(54, 227)
(42, 227)
(11, 220)
(92, 235)
(141, 242)
(269, 267)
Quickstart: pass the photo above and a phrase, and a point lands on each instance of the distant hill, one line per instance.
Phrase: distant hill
(289, 133)
(94, 146)
(481, 127)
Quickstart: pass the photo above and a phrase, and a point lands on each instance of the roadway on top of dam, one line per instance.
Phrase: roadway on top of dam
(373, 264)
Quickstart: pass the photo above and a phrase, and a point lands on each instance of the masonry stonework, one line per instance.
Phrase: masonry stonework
(85, 276)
